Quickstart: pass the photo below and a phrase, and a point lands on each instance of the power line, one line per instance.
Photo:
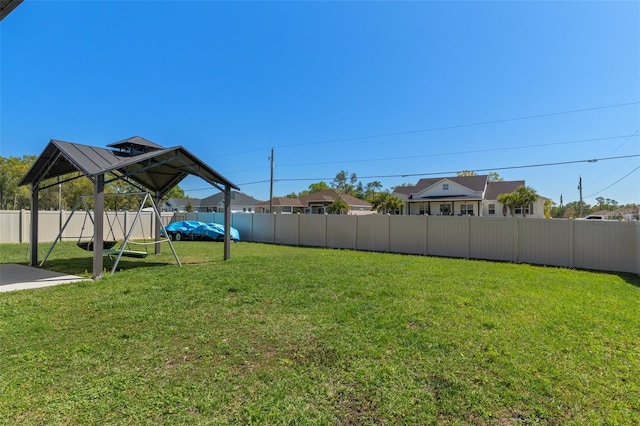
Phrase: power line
(465, 152)
(458, 126)
(434, 129)
(592, 160)
(604, 189)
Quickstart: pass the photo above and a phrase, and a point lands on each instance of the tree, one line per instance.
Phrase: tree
(523, 197)
(491, 176)
(12, 169)
(317, 187)
(371, 188)
(548, 204)
(338, 206)
(507, 202)
(385, 202)
(189, 207)
(494, 177)
(345, 183)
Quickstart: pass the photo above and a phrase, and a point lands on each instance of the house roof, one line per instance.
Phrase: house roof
(496, 188)
(283, 202)
(237, 199)
(153, 167)
(326, 196)
(195, 202)
(329, 195)
(474, 183)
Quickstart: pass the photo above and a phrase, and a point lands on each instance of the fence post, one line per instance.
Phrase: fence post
(572, 242)
(20, 222)
(516, 239)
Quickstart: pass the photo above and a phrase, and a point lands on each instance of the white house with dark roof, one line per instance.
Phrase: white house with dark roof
(240, 203)
(462, 196)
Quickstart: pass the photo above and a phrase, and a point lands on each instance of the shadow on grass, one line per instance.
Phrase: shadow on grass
(630, 278)
(83, 266)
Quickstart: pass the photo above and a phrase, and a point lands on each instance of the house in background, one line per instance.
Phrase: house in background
(316, 203)
(240, 203)
(283, 205)
(180, 204)
(462, 196)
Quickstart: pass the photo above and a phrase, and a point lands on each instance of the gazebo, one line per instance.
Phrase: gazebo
(138, 161)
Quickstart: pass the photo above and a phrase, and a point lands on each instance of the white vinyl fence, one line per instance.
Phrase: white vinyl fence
(15, 225)
(598, 245)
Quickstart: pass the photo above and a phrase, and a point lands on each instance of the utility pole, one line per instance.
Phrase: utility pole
(271, 184)
(580, 188)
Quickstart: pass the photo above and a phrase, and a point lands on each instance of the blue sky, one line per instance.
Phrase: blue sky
(386, 90)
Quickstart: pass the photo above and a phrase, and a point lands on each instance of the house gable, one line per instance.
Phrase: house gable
(450, 188)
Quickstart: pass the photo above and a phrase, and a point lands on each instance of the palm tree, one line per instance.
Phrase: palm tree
(524, 196)
(338, 206)
(507, 201)
(393, 203)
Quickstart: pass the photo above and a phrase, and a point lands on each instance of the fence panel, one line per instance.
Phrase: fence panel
(605, 246)
(492, 238)
(313, 230)
(408, 234)
(263, 227)
(244, 225)
(448, 236)
(545, 242)
(341, 231)
(372, 233)
(10, 226)
(287, 229)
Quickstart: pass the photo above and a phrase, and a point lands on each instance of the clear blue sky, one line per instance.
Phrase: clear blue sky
(380, 89)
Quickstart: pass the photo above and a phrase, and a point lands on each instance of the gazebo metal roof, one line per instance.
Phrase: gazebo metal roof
(150, 165)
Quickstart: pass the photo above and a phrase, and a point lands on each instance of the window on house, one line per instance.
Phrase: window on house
(445, 186)
(466, 209)
(492, 209)
(528, 209)
(286, 209)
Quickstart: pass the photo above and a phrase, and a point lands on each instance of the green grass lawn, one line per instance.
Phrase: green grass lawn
(285, 335)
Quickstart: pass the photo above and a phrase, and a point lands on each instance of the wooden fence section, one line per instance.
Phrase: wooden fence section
(598, 245)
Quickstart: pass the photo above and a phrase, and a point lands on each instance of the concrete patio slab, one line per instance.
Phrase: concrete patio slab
(21, 277)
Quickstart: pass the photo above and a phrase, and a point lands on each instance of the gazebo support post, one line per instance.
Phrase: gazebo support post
(98, 225)
(158, 203)
(227, 222)
(33, 238)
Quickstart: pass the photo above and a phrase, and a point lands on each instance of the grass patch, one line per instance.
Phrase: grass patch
(285, 335)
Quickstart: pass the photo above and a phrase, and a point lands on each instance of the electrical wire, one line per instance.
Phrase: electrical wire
(623, 177)
(459, 126)
(434, 129)
(464, 152)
